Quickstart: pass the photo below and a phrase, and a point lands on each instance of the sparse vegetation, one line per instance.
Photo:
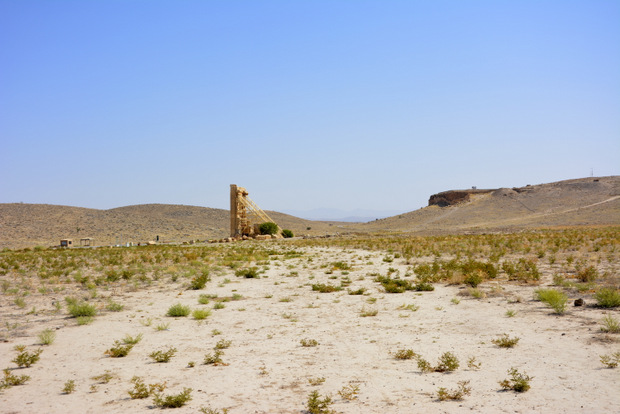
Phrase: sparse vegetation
(318, 405)
(174, 400)
(610, 325)
(119, 350)
(607, 298)
(472, 363)
(141, 390)
(611, 361)
(104, 378)
(82, 309)
(444, 258)
(405, 354)
(519, 382)
(287, 234)
(163, 356)
(316, 381)
(178, 310)
(11, 380)
(25, 358)
(132, 340)
(309, 342)
(47, 336)
(222, 344)
(248, 273)
(368, 312)
(325, 288)
(199, 281)
(463, 389)
(114, 306)
(506, 341)
(215, 358)
(69, 387)
(349, 392)
(200, 314)
(447, 362)
(554, 298)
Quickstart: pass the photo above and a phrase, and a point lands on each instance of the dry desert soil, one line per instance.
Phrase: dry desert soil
(282, 339)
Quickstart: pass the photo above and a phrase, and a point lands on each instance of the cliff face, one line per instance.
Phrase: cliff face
(450, 198)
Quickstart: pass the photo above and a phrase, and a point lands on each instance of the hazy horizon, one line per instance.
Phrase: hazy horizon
(324, 104)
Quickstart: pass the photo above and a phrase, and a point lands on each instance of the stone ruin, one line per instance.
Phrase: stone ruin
(246, 216)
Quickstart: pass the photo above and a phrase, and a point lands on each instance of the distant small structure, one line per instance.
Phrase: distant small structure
(245, 215)
(87, 241)
(66, 242)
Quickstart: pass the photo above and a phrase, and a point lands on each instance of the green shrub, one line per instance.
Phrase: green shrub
(25, 358)
(47, 336)
(119, 350)
(505, 341)
(325, 288)
(248, 273)
(178, 310)
(405, 354)
(200, 314)
(69, 387)
(287, 234)
(554, 298)
(199, 281)
(316, 405)
(82, 309)
(114, 306)
(607, 298)
(588, 274)
(473, 279)
(523, 270)
(394, 285)
(222, 344)
(11, 380)
(611, 361)
(174, 400)
(163, 356)
(268, 228)
(215, 358)
(610, 325)
(423, 286)
(132, 340)
(141, 390)
(447, 362)
(444, 394)
(517, 381)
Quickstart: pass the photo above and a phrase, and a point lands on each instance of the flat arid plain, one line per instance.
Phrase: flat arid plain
(381, 321)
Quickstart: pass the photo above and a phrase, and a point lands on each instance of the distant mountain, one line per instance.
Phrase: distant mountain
(352, 216)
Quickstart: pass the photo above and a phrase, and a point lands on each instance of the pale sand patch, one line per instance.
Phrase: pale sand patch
(269, 369)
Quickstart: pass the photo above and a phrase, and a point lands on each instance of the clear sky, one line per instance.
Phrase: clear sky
(344, 104)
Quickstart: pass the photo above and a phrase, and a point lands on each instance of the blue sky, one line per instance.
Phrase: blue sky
(307, 104)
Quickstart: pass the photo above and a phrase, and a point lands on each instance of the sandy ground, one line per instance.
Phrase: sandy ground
(268, 368)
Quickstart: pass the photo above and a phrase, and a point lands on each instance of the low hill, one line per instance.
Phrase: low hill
(27, 225)
(585, 201)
